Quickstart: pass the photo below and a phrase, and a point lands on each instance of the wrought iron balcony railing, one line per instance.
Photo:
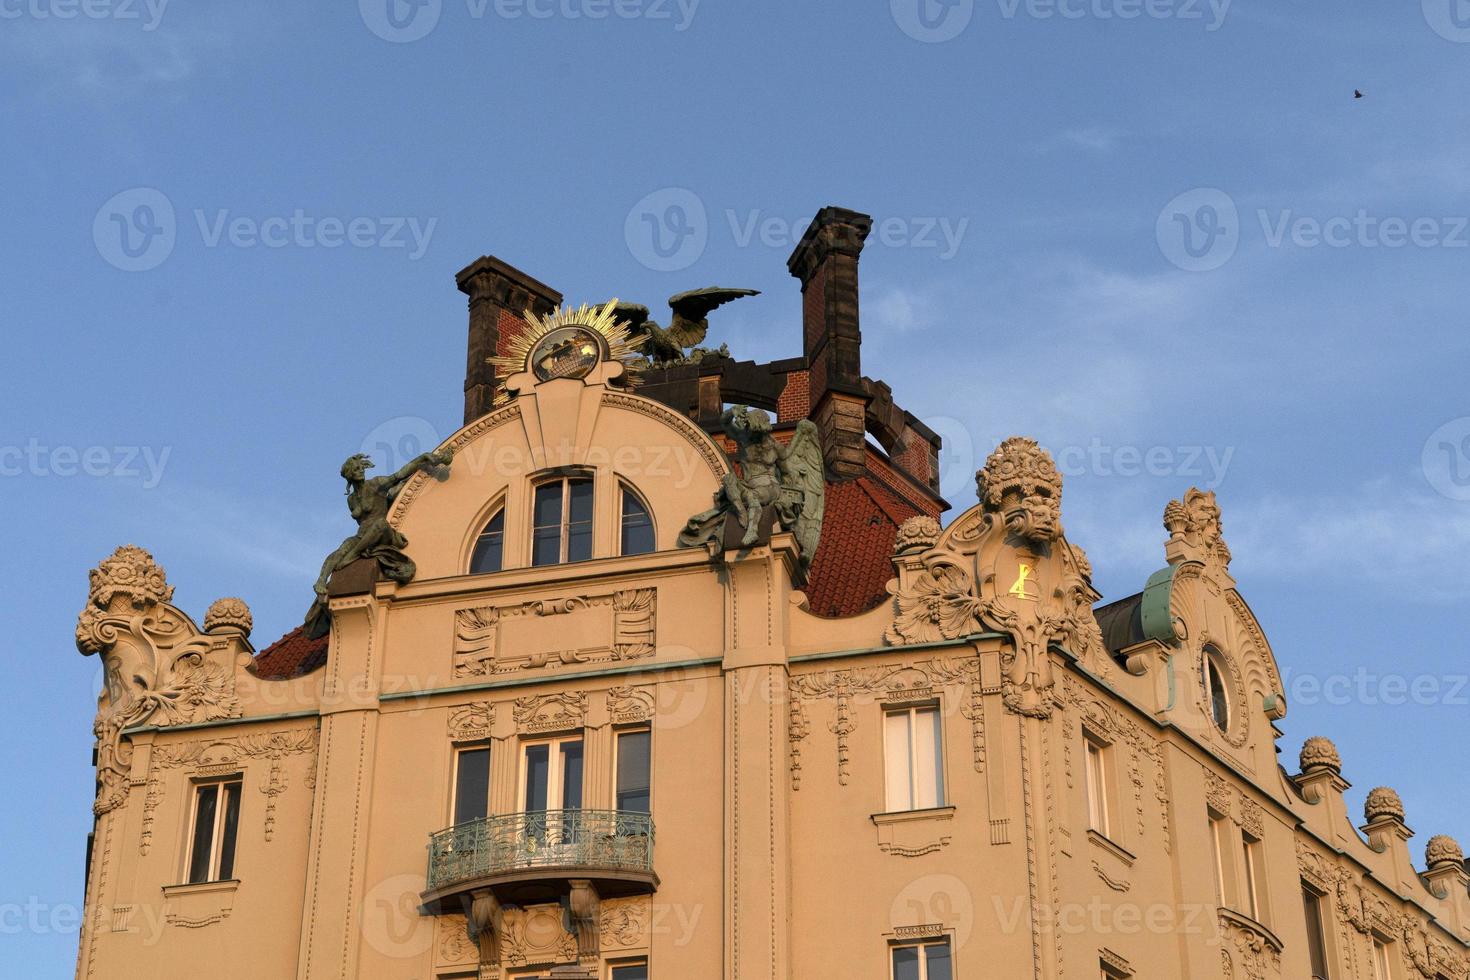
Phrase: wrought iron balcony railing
(609, 840)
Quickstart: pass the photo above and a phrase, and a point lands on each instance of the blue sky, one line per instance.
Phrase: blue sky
(1037, 166)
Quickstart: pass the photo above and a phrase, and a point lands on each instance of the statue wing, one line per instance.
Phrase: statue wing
(691, 309)
(634, 315)
(804, 470)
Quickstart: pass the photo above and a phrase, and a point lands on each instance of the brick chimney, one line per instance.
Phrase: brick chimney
(826, 262)
(499, 296)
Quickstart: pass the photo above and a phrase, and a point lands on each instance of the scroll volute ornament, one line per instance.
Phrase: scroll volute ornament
(157, 666)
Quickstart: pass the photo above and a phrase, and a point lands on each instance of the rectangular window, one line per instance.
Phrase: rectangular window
(629, 971)
(922, 961)
(1382, 962)
(215, 824)
(553, 775)
(1097, 785)
(913, 746)
(471, 784)
(1217, 847)
(1251, 849)
(1316, 936)
(633, 790)
(546, 521)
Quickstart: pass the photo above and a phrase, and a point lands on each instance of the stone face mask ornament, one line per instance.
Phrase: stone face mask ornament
(368, 501)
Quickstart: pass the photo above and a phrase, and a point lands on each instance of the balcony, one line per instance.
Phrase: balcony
(524, 858)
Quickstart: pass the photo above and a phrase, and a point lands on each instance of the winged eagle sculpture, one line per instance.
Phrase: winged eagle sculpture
(678, 342)
(789, 478)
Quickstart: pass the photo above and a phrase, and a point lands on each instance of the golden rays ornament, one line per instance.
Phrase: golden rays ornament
(569, 343)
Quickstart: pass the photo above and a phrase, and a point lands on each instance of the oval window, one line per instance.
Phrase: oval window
(1217, 695)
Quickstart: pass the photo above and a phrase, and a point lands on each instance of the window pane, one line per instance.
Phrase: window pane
(537, 760)
(936, 957)
(490, 548)
(1219, 697)
(206, 800)
(633, 782)
(571, 775)
(546, 546)
(1097, 810)
(905, 963)
(579, 542)
(1316, 948)
(471, 785)
(637, 526)
(547, 508)
(929, 781)
(896, 748)
(227, 835)
(580, 492)
(637, 971)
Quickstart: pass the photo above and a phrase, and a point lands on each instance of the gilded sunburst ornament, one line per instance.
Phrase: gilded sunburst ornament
(569, 343)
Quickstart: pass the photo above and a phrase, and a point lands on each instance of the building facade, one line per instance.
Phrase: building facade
(555, 716)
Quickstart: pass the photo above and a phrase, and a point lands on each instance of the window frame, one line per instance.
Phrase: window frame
(1097, 783)
(613, 966)
(555, 771)
(1251, 852)
(1213, 667)
(1315, 901)
(564, 524)
(1219, 825)
(626, 490)
(921, 945)
(497, 513)
(941, 787)
(459, 750)
(221, 785)
(1383, 968)
(643, 729)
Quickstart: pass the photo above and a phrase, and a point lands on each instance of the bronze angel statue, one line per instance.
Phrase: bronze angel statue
(679, 341)
(790, 478)
(368, 502)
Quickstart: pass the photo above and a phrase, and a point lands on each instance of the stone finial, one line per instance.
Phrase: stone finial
(1193, 523)
(1319, 753)
(1383, 803)
(1020, 484)
(1443, 851)
(229, 614)
(128, 578)
(918, 533)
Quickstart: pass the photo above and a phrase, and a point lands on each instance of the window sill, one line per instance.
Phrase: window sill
(201, 887)
(913, 833)
(1116, 850)
(910, 816)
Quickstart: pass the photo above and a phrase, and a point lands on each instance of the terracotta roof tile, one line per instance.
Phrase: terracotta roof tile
(291, 656)
(853, 563)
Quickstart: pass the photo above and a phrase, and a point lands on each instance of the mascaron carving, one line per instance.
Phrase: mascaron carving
(616, 626)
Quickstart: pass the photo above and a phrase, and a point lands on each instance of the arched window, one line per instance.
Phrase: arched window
(489, 553)
(637, 526)
(561, 521)
(1217, 696)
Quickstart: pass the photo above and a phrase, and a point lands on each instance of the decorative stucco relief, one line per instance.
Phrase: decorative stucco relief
(471, 722)
(560, 712)
(889, 684)
(549, 632)
(158, 667)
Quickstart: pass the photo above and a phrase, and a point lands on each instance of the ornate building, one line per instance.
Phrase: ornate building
(554, 714)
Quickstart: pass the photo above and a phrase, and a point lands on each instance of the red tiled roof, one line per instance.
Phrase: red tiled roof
(853, 564)
(291, 656)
